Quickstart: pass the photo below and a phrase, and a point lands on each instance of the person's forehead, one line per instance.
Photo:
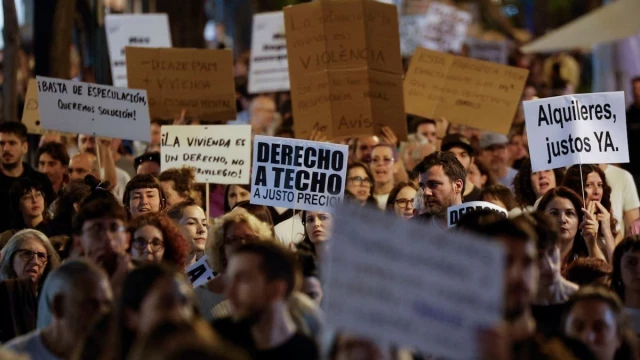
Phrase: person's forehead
(193, 212)
(245, 262)
(427, 126)
(457, 150)
(561, 203)
(32, 243)
(434, 172)
(80, 162)
(102, 221)
(47, 157)
(5, 136)
(144, 190)
(593, 176)
(85, 138)
(382, 150)
(357, 169)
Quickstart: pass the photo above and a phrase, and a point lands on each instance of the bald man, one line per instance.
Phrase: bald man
(84, 164)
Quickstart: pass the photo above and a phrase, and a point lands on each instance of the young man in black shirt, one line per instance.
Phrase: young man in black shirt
(261, 277)
(14, 146)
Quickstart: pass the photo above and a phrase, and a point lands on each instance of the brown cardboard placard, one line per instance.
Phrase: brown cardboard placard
(465, 91)
(345, 68)
(30, 111)
(199, 81)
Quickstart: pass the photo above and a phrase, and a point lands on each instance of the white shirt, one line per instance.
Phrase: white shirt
(382, 200)
(31, 344)
(290, 230)
(624, 195)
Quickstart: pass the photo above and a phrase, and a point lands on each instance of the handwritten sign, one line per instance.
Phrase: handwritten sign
(445, 28)
(142, 30)
(458, 211)
(199, 81)
(220, 154)
(200, 273)
(269, 69)
(577, 129)
(443, 287)
(99, 110)
(464, 91)
(30, 111)
(493, 51)
(345, 68)
(298, 174)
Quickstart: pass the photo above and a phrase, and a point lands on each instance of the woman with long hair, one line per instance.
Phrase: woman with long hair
(530, 186)
(192, 222)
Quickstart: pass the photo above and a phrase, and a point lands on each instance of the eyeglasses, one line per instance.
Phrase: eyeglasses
(403, 203)
(385, 161)
(142, 244)
(359, 180)
(26, 255)
(97, 230)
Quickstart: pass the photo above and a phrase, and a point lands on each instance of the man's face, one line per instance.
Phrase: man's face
(85, 306)
(463, 156)
(521, 275)
(440, 192)
(428, 131)
(13, 149)
(149, 168)
(248, 289)
(262, 113)
(156, 135)
(87, 143)
(52, 168)
(103, 240)
(364, 146)
(81, 166)
(495, 156)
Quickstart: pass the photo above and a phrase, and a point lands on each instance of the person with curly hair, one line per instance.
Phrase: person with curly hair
(180, 185)
(155, 238)
(530, 186)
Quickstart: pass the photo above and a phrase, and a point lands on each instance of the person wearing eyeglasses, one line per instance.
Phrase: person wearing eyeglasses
(401, 198)
(155, 238)
(26, 199)
(384, 166)
(360, 183)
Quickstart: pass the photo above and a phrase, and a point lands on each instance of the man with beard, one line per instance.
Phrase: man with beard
(442, 180)
(261, 276)
(460, 146)
(14, 146)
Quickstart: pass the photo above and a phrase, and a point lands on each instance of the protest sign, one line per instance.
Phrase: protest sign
(298, 174)
(198, 81)
(221, 154)
(345, 68)
(464, 91)
(456, 212)
(142, 30)
(493, 51)
(414, 7)
(269, 70)
(425, 289)
(30, 111)
(200, 273)
(411, 33)
(445, 28)
(577, 129)
(92, 109)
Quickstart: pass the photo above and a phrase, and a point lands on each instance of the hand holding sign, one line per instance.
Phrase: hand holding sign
(589, 226)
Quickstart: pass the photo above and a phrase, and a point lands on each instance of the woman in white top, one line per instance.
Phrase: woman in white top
(384, 166)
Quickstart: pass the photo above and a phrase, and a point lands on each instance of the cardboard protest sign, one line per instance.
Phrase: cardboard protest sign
(269, 69)
(297, 174)
(199, 81)
(142, 30)
(577, 129)
(464, 91)
(221, 154)
(200, 273)
(92, 109)
(411, 36)
(456, 212)
(425, 289)
(30, 111)
(493, 51)
(345, 68)
(445, 28)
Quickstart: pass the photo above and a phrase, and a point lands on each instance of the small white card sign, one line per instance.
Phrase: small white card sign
(399, 282)
(458, 211)
(445, 28)
(577, 129)
(269, 70)
(92, 109)
(200, 273)
(221, 154)
(141, 30)
(298, 174)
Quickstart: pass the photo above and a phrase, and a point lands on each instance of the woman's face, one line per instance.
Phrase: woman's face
(593, 322)
(318, 226)
(383, 165)
(630, 271)
(194, 227)
(359, 183)
(147, 244)
(144, 201)
(236, 195)
(32, 204)
(30, 260)
(403, 205)
(593, 188)
(172, 196)
(311, 287)
(476, 178)
(549, 265)
(567, 216)
(543, 181)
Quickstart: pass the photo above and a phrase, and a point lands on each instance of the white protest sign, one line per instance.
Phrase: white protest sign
(221, 154)
(269, 69)
(456, 212)
(141, 30)
(200, 273)
(577, 129)
(445, 28)
(425, 289)
(92, 109)
(298, 174)
(494, 51)
(411, 27)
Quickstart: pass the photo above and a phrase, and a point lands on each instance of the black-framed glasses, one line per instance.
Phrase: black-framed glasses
(154, 245)
(359, 180)
(403, 203)
(26, 255)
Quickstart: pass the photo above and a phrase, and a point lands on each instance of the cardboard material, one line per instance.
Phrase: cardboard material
(445, 28)
(269, 69)
(464, 91)
(345, 67)
(199, 81)
(30, 111)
